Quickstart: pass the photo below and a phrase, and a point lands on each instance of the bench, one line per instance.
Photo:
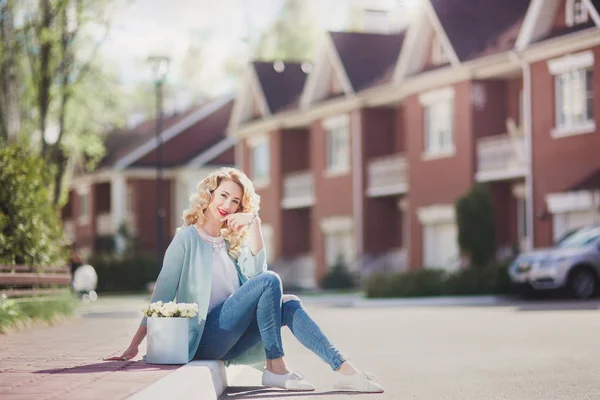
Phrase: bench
(27, 281)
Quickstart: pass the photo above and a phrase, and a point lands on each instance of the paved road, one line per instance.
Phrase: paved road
(521, 350)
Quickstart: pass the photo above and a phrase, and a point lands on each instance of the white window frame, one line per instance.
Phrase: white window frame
(337, 145)
(432, 102)
(577, 12)
(83, 205)
(573, 69)
(255, 145)
(335, 229)
(431, 217)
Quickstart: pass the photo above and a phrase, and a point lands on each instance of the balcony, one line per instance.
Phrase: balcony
(387, 175)
(501, 157)
(298, 190)
(104, 224)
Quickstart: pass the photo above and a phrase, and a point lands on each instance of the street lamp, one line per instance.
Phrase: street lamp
(160, 68)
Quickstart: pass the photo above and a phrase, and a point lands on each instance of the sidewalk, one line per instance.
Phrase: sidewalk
(65, 361)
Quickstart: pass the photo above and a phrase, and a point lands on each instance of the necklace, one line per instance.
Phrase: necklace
(217, 242)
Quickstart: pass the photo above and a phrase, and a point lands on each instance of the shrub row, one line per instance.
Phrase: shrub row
(433, 282)
(127, 273)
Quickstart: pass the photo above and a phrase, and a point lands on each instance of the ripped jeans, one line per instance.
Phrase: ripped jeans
(255, 312)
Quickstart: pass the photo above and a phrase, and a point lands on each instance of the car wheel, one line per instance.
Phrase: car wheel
(582, 283)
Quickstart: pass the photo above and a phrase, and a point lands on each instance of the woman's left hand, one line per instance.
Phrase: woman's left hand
(238, 221)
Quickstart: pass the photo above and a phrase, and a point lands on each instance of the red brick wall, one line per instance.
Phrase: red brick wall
(333, 194)
(501, 199)
(270, 196)
(489, 116)
(297, 237)
(382, 225)
(400, 134)
(102, 194)
(381, 217)
(378, 133)
(561, 162)
(295, 150)
(85, 234)
(438, 181)
(513, 91)
(146, 211)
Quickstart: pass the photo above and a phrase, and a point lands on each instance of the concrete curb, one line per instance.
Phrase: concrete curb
(354, 301)
(205, 380)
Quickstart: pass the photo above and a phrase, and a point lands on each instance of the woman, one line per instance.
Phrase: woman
(241, 305)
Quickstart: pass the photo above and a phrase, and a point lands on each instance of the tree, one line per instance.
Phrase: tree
(292, 35)
(476, 227)
(30, 229)
(9, 90)
(48, 56)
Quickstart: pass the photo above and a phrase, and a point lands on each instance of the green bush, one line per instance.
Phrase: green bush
(25, 311)
(338, 277)
(126, 273)
(492, 279)
(30, 228)
(476, 225)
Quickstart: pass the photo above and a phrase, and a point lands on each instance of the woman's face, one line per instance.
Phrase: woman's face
(226, 199)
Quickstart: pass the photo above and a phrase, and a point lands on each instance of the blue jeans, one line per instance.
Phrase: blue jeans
(255, 312)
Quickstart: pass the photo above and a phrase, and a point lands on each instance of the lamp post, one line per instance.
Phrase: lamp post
(160, 68)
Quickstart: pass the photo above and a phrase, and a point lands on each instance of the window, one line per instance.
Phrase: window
(338, 149)
(261, 162)
(574, 99)
(130, 200)
(440, 246)
(339, 246)
(84, 207)
(438, 54)
(577, 12)
(337, 138)
(439, 127)
(339, 240)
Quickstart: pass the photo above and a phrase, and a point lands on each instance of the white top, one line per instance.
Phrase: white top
(225, 279)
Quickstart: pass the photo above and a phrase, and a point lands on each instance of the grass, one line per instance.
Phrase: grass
(17, 314)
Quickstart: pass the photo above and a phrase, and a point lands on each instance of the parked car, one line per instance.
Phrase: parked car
(573, 264)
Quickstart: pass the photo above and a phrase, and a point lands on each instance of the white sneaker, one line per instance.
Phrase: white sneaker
(359, 382)
(290, 381)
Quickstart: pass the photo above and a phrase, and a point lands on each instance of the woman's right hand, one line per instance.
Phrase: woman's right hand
(127, 355)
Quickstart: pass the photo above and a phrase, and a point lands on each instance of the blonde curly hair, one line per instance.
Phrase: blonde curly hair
(199, 203)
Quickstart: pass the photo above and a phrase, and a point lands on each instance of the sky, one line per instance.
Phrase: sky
(145, 27)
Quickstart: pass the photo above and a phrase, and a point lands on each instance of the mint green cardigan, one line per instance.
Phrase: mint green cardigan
(186, 277)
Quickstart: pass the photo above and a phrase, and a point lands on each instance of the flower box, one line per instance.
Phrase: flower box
(168, 332)
(167, 340)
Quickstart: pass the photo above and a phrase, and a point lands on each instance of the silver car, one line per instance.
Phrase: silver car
(573, 264)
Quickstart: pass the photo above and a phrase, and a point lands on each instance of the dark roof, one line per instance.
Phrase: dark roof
(281, 89)
(120, 142)
(590, 182)
(194, 140)
(368, 58)
(480, 27)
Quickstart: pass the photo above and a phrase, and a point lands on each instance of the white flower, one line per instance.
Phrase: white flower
(171, 309)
